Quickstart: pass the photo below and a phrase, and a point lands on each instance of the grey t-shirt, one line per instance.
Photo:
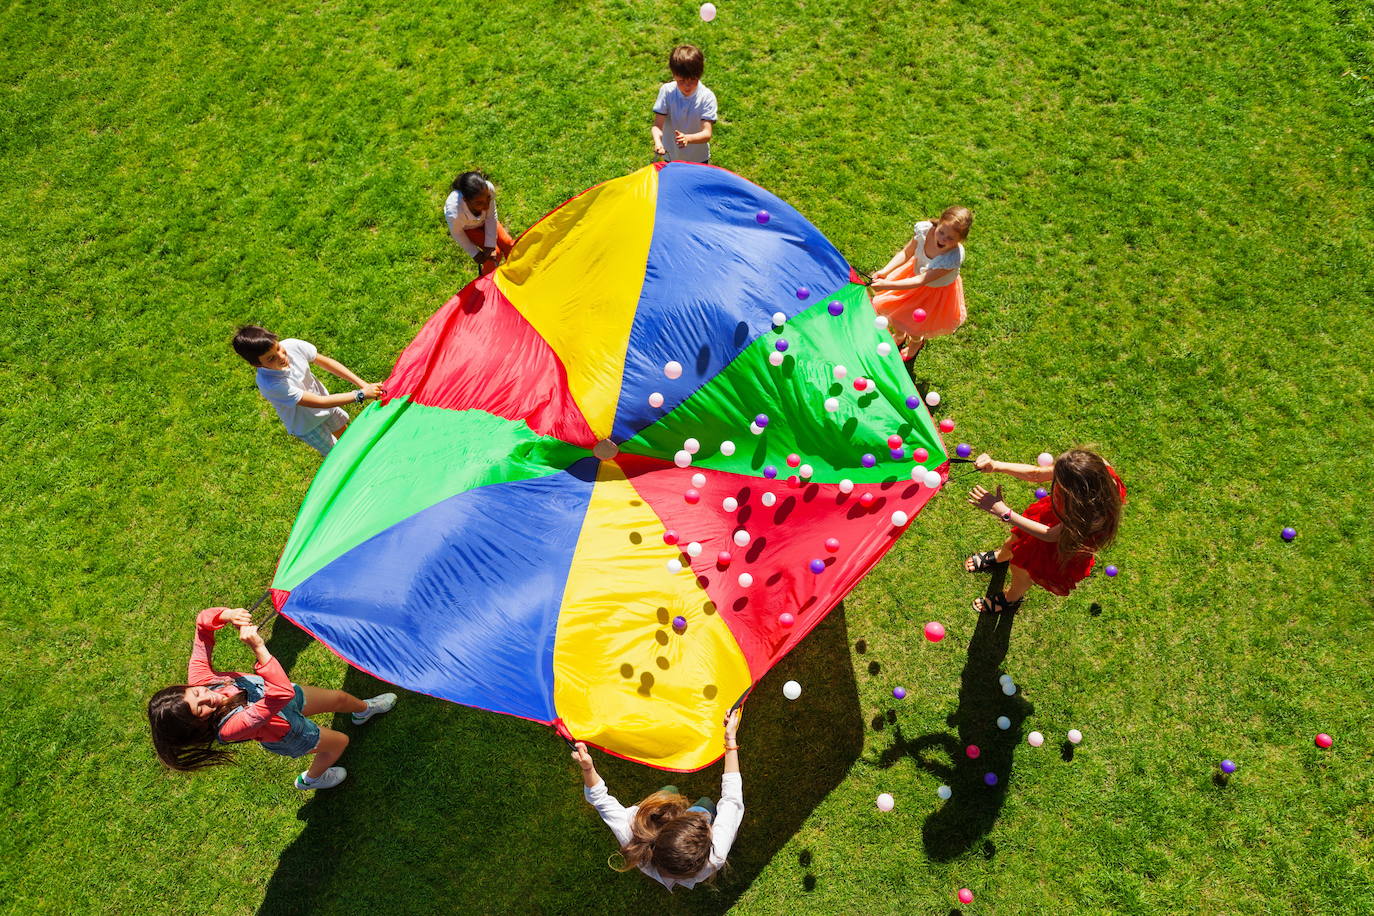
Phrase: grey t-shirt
(685, 113)
(284, 387)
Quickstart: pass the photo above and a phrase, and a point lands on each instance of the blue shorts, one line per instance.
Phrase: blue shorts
(304, 735)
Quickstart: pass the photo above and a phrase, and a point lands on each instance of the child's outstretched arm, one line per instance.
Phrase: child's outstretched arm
(594, 790)
(901, 257)
(921, 279)
(279, 689)
(200, 669)
(1030, 473)
(730, 811)
(334, 367)
(992, 503)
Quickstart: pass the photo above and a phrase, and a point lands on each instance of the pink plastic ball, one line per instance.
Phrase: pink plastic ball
(724, 558)
(935, 631)
(860, 384)
(692, 497)
(972, 751)
(786, 619)
(946, 425)
(965, 895)
(894, 441)
(919, 315)
(793, 460)
(832, 544)
(920, 455)
(1323, 740)
(670, 537)
(867, 499)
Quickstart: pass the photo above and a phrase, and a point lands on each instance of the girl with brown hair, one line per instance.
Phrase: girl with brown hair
(920, 291)
(1053, 544)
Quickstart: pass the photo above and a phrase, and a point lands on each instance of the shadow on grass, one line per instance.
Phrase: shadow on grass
(958, 824)
(453, 809)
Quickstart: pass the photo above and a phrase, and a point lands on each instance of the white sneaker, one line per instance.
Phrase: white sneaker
(328, 779)
(375, 707)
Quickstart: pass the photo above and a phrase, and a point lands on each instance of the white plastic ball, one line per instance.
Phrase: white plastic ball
(806, 471)
(1075, 736)
(840, 373)
(880, 322)
(918, 473)
(791, 690)
(729, 504)
(698, 480)
(693, 549)
(691, 446)
(674, 565)
(775, 358)
(656, 399)
(1045, 460)
(884, 348)
(1003, 723)
(1035, 739)
(832, 404)
(745, 580)
(727, 448)
(768, 499)
(846, 486)
(755, 428)
(1004, 678)
(707, 12)
(932, 398)
(1009, 688)
(885, 802)
(672, 369)
(683, 458)
(945, 793)
(779, 319)
(899, 518)
(741, 538)
(932, 479)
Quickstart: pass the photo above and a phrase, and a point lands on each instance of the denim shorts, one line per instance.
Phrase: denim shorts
(304, 735)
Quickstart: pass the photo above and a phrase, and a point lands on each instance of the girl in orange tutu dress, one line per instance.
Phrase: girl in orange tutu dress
(1054, 542)
(919, 291)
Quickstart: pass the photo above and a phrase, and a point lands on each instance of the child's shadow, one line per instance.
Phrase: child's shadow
(954, 827)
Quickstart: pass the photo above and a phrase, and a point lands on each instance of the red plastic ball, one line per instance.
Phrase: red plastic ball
(965, 895)
(794, 481)
(670, 537)
(973, 752)
(860, 384)
(920, 455)
(919, 315)
(793, 460)
(692, 496)
(894, 441)
(867, 499)
(786, 619)
(832, 544)
(1323, 740)
(724, 558)
(946, 425)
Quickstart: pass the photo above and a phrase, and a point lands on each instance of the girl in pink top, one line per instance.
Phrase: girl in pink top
(190, 721)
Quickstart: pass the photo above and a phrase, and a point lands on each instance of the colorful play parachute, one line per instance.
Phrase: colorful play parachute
(503, 529)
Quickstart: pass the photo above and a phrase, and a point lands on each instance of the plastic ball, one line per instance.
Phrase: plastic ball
(1045, 460)
(817, 566)
(945, 793)
(894, 441)
(920, 454)
(770, 471)
(791, 690)
(781, 346)
(912, 402)
(918, 315)
(832, 545)
(836, 308)
(779, 319)
(672, 369)
(881, 322)
(786, 619)
(692, 497)
(803, 292)
(899, 693)
(1009, 689)
(741, 538)
(899, 518)
(776, 358)
(972, 752)
(693, 549)
(768, 499)
(868, 460)
(1003, 723)
(1004, 679)
(867, 499)
(898, 454)
(990, 779)
(756, 430)
(806, 471)
(729, 504)
(698, 480)
(1228, 766)
(884, 348)
(965, 895)
(918, 473)
(708, 12)
(832, 404)
(761, 421)
(1111, 570)
(885, 802)
(1074, 736)
(674, 565)
(1035, 739)
(683, 458)
(840, 373)
(762, 217)
(932, 479)
(860, 383)
(935, 631)
(656, 399)
(679, 623)
(946, 425)
(727, 448)
(846, 485)
(793, 460)
(1288, 534)
(963, 450)
(932, 399)
(1041, 492)
(745, 580)
(692, 446)
(1323, 740)
(724, 558)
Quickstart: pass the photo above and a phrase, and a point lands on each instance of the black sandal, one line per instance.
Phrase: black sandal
(984, 562)
(996, 604)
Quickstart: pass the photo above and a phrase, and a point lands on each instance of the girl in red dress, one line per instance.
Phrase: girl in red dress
(1054, 542)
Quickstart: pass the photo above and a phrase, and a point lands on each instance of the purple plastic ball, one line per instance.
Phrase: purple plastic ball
(817, 566)
(803, 292)
(963, 450)
(762, 217)
(899, 692)
(868, 461)
(1228, 766)
(1041, 492)
(990, 779)
(913, 402)
(770, 471)
(836, 308)
(1288, 533)
(761, 421)
(1111, 570)
(679, 623)
(898, 454)
(780, 345)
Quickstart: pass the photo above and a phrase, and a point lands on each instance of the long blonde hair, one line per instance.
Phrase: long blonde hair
(1087, 500)
(664, 834)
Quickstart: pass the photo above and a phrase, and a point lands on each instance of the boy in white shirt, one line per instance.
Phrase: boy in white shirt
(685, 108)
(309, 412)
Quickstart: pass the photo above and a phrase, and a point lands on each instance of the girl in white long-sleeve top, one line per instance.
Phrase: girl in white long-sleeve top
(666, 837)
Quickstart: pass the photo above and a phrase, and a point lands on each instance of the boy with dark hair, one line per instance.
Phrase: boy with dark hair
(309, 412)
(686, 108)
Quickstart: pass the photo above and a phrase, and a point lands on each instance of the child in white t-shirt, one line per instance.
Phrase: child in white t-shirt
(470, 211)
(309, 412)
(685, 110)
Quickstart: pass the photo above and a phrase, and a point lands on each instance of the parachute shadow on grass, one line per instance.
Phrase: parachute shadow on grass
(448, 808)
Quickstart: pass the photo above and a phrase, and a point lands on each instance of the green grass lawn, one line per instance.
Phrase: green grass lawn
(1172, 260)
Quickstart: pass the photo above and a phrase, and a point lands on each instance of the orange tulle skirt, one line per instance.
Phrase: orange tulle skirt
(944, 305)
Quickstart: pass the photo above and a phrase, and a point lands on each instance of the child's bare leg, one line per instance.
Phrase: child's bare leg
(322, 699)
(1020, 584)
(1004, 552)
(340, 431)
(327, 752)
